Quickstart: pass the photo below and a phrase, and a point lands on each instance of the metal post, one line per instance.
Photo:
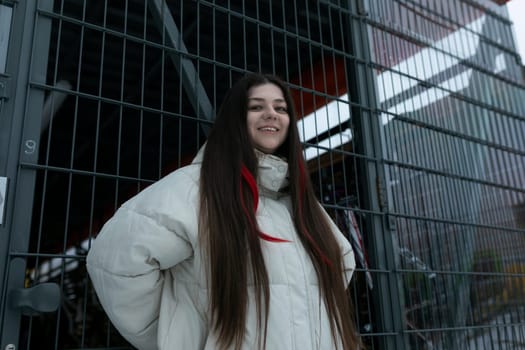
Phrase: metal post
(27, 61)
(389, 316)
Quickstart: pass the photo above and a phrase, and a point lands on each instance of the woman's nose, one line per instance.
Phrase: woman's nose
(270, 114)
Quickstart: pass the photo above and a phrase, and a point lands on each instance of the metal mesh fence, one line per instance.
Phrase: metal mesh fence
(412, 125)
(453, 129)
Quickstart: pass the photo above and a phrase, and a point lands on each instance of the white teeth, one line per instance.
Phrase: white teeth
(268, 129)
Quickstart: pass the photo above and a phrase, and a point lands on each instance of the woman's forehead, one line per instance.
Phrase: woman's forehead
(268, 91)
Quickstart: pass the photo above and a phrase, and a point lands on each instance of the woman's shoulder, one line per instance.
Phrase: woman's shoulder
(178, 189)
(188, 174)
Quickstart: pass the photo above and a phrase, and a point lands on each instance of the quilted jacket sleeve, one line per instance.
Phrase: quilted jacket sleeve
(127, 259)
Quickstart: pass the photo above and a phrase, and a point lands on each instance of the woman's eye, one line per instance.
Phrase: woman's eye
(281, 109)
(255, 108)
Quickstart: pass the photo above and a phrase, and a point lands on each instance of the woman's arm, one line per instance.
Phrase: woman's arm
(146, 235)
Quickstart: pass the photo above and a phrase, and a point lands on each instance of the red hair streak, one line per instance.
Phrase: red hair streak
(247, 176)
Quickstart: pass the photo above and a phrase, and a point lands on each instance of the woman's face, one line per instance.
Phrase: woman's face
(267, 117)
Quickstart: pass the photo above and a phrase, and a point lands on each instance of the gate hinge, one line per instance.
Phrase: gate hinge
(4, 88)
(381, 193)
(382, 198)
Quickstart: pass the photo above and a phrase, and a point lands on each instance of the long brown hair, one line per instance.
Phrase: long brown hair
(229, 232)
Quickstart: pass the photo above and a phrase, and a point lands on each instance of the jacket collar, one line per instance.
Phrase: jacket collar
(272, 176)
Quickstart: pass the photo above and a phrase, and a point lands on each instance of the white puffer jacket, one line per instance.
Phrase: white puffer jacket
(146, 267)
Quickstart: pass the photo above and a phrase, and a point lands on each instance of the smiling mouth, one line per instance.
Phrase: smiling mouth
(269, 128)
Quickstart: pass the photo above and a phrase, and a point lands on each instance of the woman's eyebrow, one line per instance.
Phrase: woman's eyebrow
(262, 99)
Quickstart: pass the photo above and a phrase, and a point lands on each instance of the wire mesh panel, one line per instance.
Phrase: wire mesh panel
(449, 86)
(130, 92)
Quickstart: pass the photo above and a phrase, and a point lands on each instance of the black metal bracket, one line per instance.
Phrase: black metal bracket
(4, 88)
(32, 301)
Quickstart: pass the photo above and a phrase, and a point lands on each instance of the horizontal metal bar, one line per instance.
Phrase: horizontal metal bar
(454, 133)
(82, 172)
(453, 176)
(455, 222)
(46, 255)
(461, 273)
(170, 49)
(379, 334)
(119, 103)
(463, 328)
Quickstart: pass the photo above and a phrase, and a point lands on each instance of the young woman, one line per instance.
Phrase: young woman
(232, 251)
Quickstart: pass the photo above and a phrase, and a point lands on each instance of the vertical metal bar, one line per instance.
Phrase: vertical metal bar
(314, 94)
(341, 127)
(121, 107)
(272, 39)
(214, 53)
(244, 46)
(285, 43)
(180, 69)
(96, 150)
(50, 122)
(93, 177)
(326, 99)
(198, 96)
(258, 36)
(142, 92)
(369, 127)
(230, 47)
(300, 68)
(10, 137)
(71, 166)
(33, 36)
(197, 74)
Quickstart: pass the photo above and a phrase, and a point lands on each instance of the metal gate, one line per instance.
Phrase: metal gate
(411, 119)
